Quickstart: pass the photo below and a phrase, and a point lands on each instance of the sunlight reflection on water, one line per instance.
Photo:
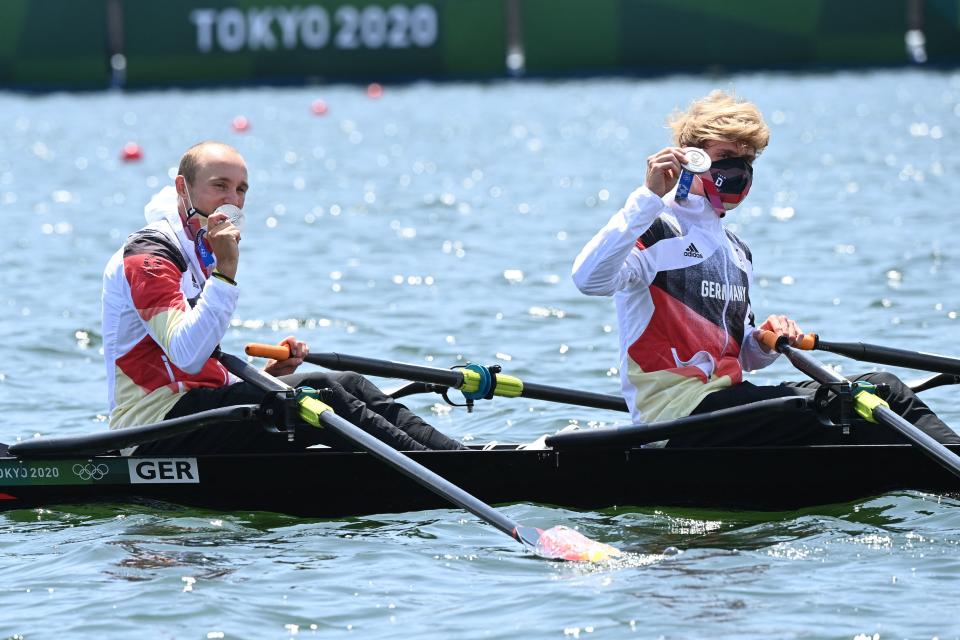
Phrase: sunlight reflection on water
(437, 225)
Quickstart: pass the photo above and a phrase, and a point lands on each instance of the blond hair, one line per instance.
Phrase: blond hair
(720, 116)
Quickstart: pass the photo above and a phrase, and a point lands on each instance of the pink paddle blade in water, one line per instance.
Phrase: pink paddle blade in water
(563, 543)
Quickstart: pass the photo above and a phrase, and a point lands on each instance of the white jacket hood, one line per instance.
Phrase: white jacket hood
(163, 208)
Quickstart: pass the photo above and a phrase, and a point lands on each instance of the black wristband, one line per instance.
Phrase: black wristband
(220, 276)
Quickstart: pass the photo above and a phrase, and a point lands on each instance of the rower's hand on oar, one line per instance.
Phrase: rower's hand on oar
(296, 351)
(781, 326)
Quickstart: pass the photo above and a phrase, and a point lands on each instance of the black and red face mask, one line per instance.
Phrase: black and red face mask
(728, 184)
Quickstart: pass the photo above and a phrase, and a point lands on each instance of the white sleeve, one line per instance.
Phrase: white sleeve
(187, 335)
(607, 263)
(193, 340)
(752, 355)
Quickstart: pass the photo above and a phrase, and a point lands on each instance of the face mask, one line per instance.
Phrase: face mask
(196, 226)
(728, 184)
(193, 220)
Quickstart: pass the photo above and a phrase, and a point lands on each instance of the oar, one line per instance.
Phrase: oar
(95, 443)
(930, 382)
(634, 435)
(556, 543)
(474, 380)
(884, 355)
(866, 404)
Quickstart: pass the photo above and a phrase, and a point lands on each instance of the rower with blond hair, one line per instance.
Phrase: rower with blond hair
(681, 282)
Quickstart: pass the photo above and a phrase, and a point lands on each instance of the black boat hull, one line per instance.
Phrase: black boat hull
(332, 484)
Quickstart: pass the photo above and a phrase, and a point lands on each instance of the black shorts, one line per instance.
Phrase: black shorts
(350, 395)
(802, 428)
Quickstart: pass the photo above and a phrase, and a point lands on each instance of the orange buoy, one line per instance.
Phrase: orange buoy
(374, 90)
(318, 107)
(240, 124)
(131, 152)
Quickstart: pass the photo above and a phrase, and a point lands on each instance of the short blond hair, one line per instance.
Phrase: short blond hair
(720, 116)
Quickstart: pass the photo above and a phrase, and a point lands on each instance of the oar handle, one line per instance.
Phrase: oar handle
(771, 340)
(275, 351)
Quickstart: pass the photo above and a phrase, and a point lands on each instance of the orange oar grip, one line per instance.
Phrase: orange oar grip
(275, 351)
(768, 339)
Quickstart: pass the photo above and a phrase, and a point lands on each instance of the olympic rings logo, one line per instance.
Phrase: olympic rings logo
(90, 471)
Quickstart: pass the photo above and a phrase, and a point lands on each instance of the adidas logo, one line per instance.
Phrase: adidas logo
(692, 252)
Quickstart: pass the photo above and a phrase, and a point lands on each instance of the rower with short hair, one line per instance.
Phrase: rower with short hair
(168, 296)
(681, 283)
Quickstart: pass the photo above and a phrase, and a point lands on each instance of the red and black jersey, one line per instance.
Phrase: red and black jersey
(681, 284)
(162, 321)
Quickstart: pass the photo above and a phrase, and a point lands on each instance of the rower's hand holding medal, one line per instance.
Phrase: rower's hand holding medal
(663, 170)
(223, 234)
(672, 164)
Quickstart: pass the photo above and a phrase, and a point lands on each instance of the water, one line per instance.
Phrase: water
(438, 225)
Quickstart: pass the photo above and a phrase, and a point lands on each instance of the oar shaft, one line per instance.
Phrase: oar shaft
(383, 452)
(930, 382)
(573, 396)
(453, 378)
(418, 473)
(810, 366)
(555, 543)
(928, 444)
(95, 443)
(895, 357)
(387, 369)
(633, 435)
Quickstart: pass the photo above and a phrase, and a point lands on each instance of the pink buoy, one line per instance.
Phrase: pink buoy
(318, 107)
(374, 90)
(131, 152)
(240, 124)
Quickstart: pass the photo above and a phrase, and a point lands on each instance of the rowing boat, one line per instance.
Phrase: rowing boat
(333, 484)
(587, 469)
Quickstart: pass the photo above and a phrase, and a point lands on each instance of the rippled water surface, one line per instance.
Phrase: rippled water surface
(435, 225)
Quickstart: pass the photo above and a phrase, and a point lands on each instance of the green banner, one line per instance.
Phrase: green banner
(775, 33)
(67, 44)
(53, 44)
(225, 41)
(941, 28)
(653, 36)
